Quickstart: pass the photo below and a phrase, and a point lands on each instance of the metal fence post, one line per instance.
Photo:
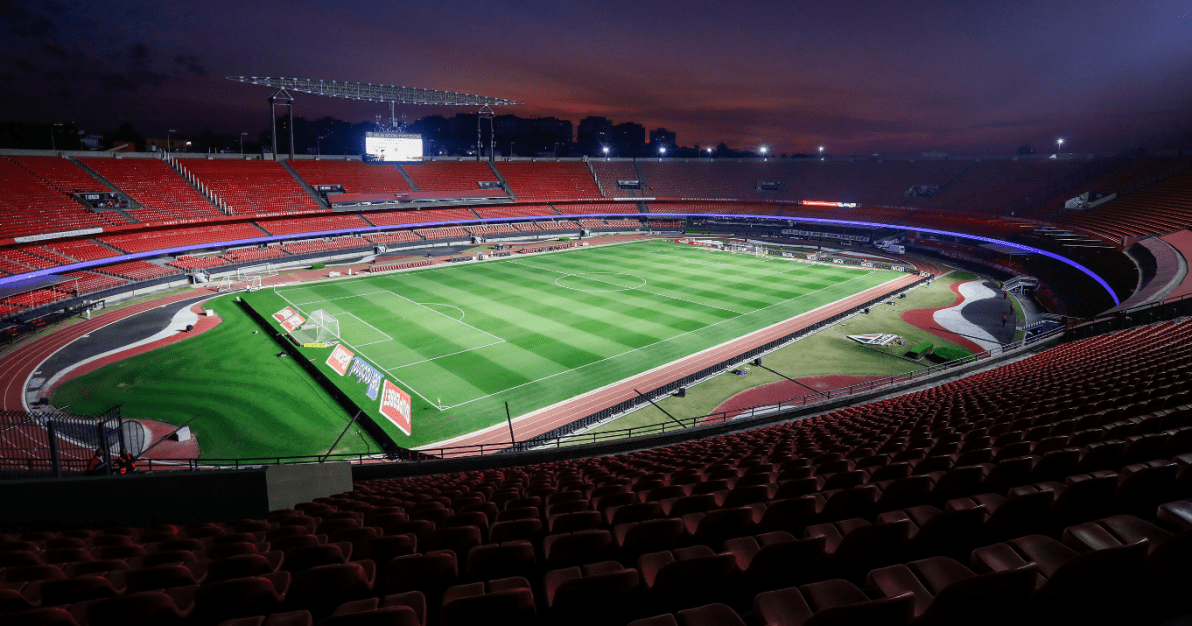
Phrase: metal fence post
(55, 461)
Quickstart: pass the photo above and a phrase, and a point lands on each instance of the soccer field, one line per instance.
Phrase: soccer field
(533, 330)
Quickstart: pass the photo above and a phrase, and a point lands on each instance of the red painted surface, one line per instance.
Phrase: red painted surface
(776, 392)
(924, 319)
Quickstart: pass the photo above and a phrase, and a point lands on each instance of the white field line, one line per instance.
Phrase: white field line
(533, 414)
(660, 295)
(630, 351)
(358, 350)
(360, 295)
(390, 369)
(387, 337)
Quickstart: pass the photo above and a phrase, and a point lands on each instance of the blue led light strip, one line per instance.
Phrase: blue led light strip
(373, 229)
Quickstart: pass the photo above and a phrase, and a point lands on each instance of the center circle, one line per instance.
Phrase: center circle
(601, 281)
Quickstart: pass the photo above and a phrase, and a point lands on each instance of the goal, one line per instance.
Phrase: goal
(321, 327)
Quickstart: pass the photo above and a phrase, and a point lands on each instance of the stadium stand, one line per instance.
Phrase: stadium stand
(706, 179)
(321, 245)
(995, 186)
(88, 282)
(82, 249)
(1120, 177)
(34, 206)
(532, 210)
(944, 504)
(24, 256)
(442, 233)
(355, 176)
(251, 187)
(867, 182)
(312, 224)
(157, 187)
(623, 223)
(138, 270)
(145, 241)
(188, 263)
(59, 173)
(596, 207)
(490, 229)
(547, 180)
(254, 254)
(559, 225)
(609, 172)
(707, 207)
(1155, 209)
(449, 175)
(423, 216)
(401, 236)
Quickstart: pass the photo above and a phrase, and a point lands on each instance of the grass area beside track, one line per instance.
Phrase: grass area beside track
(463, 339)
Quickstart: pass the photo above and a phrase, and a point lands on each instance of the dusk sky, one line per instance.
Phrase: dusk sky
(896, 78)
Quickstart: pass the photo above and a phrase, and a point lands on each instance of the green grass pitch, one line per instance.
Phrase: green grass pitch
(533, 330)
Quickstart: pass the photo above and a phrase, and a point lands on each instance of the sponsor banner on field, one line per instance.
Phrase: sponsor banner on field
(316, 344)
(284, 314)
(339, 360)
(395, 406)
(368, 375)
(293, 323)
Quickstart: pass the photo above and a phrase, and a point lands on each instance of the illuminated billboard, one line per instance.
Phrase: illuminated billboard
(393, 146)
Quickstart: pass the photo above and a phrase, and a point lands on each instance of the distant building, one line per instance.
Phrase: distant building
(594, 133)
(629, 139)
(662, 137)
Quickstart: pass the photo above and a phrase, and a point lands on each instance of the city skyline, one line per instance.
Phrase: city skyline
(868, 77)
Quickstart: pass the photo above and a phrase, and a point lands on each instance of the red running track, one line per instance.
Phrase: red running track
(549, 418)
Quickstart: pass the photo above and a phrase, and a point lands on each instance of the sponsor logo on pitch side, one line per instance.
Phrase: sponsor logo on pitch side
(339, 360)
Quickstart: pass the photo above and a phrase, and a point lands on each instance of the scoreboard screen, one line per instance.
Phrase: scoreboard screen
(381, 146)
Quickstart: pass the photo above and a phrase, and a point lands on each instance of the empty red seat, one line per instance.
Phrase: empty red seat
(505, 601)
(947, 592)
(599, 593)
(831, 602)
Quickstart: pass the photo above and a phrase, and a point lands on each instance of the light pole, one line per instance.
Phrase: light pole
(1059, 144)
(764, 150)
(709, 154)
(242, 142)
(605, 151)
(168, 133)
(661, 152)
(821, 153)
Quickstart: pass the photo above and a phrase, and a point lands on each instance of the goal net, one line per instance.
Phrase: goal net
(321, 327)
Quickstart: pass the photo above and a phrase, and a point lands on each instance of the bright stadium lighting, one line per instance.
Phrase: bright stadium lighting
(1059, 144)
(709, 153)
(764, 150)
(661, 152)
(605, 151)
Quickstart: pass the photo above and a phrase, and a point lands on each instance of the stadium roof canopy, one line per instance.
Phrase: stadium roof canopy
(373, 93)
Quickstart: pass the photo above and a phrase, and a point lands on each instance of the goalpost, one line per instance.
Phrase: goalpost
(321, 327)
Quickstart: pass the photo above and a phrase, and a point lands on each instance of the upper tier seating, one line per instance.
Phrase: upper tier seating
(355, 176)
(609, 172)
(545, 180)
(400, 236)
(145, 241)
(60, 173)
(867, 182)
(34, 206)
(251, 187)
(450, 175)
(1119, 177)
(443, 233)
(157, 187)
(996, 186)
(188, 263)
(705, 179)
(312, 224)
(28, 256)
(1160, 208)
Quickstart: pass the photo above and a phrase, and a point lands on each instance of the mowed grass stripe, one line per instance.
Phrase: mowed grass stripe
(559, 342)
